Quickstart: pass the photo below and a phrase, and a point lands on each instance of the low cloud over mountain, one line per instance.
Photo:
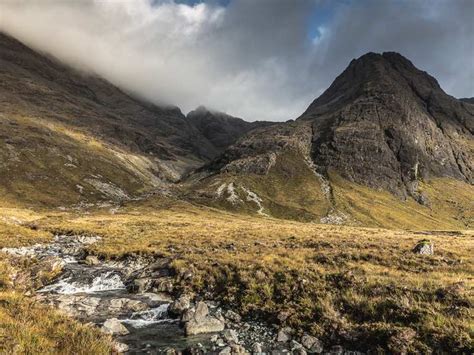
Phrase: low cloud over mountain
(262, 59)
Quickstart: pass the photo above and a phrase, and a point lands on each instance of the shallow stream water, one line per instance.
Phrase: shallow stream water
(91, 291)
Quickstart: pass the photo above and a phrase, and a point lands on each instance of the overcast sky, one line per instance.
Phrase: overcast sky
(256, 59)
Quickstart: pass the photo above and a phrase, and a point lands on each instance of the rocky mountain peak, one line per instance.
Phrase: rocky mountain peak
(386, 124)
(374, 74)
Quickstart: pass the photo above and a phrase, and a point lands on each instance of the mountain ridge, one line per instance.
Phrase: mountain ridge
(125, 145)
(383, 125)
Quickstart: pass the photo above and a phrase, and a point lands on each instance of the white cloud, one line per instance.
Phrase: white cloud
(252, 58)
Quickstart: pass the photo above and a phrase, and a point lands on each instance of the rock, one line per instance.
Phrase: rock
(179, 306)
(92, 260)
(77, 306)
(257, 348)
(188, 315)
(295, 345)
(238, 349)
(121, 305)
(283, 316)
(115, 327)
(230, 336)
(299, 351)
(170, 351)
(226, 351)
(201, 311)
(284, 335)
(312, 344)
(232, 316)
(119, 347)
(208, 324)
(201, 322)
(424, 247)
(159, 297)
(141, 285)
(165, 285)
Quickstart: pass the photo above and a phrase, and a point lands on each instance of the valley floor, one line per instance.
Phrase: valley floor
(362, 288)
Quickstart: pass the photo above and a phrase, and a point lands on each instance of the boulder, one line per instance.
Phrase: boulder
(121, 305)
(92, 260)
(179, 306)
(188, 315)
(232, 316)
(424, 247)
(119, 347)
(141, 285)
(77, 305)
(311, 343)
(114, 326)
(208, 324)
(201, 311)
(201, 322)
(238, 349)
(230, 336)
(226, 351)
(284, 335)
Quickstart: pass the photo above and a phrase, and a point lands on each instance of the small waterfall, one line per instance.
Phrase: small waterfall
(106, 281)
(151, 316)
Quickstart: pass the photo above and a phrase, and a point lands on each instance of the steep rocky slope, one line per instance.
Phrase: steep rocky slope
(384, 145)
(386, 124)
(221, 129)
(67, 137)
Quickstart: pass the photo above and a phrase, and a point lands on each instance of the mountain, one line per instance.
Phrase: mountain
(383, 145)
(68, 137)
(221, 129)
(469, 100)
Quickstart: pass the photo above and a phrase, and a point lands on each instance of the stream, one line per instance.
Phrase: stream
(95, 293)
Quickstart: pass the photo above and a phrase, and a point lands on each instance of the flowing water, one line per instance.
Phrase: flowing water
(97, 293)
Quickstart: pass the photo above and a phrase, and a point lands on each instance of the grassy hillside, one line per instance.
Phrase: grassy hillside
(292, 190)
(58, 165)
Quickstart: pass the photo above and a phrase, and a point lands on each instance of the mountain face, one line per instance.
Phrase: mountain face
(221, 129)
(382, 128)
(386, 124)
(383, 146)
(79, 138)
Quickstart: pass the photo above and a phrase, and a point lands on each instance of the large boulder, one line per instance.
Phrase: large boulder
(202, 322)
(115, 327)
(424, 247)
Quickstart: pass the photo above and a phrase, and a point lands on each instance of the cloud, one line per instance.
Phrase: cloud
(253, 59)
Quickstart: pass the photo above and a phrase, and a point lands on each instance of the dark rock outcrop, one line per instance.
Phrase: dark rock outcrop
(386, 124)
(220, 129)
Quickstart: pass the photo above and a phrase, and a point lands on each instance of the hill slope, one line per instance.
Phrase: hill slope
(67, 137)
(384, 145)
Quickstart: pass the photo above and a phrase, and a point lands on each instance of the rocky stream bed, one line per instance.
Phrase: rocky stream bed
(132, 300)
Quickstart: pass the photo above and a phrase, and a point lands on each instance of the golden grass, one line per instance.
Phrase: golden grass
(364, 285)
(29, 328)
(360, 281)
